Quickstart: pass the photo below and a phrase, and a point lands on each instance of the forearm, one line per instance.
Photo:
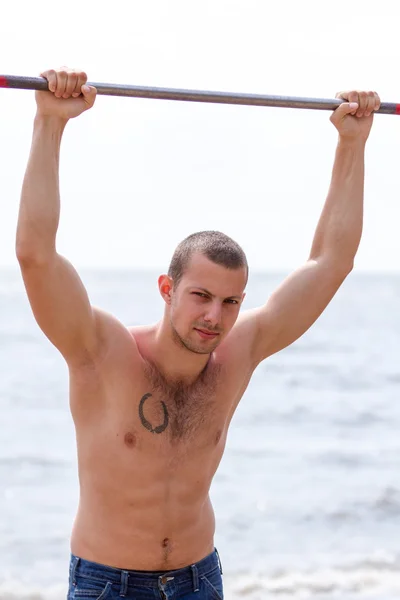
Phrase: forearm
(339, 229)
(40, 198)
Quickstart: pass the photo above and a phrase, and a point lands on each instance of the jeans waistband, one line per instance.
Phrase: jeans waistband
(149, 579)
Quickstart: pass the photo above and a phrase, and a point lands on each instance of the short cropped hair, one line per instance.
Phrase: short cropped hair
(214, 245)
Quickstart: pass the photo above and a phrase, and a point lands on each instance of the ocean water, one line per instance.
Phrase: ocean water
(307, 496)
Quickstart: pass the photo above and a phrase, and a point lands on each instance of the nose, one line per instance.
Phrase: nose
(213, 314)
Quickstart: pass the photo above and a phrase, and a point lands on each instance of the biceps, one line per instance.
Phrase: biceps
(61, 306)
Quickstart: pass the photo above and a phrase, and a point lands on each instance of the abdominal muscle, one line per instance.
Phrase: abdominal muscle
(123, 537)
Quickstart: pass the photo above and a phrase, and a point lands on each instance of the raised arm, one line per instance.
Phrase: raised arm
(57, 296)
(302, 297)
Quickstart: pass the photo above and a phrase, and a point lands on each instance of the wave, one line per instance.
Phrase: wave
(365, 579)
(15, 590)
(33, 461)
(385, 506)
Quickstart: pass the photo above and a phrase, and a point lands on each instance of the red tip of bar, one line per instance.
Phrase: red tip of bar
(3, 82)
(397, 109)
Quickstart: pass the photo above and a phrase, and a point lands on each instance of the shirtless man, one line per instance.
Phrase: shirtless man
(152, 404)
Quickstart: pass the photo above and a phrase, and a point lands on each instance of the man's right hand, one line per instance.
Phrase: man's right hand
(68, 96)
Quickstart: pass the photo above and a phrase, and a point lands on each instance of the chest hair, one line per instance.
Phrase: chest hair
(187, 407)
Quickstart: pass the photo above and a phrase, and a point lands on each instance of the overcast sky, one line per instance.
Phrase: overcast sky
(139, 175)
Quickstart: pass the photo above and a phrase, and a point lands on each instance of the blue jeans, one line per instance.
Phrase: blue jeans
(92, 581)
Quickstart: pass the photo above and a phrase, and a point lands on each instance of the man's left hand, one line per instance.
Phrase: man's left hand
(353, 119)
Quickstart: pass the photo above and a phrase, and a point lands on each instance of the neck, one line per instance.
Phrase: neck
(172, 359)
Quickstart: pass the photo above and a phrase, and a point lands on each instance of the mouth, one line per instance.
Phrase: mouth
(205, 334)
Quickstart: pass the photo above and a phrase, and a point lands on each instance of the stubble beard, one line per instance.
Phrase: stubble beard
(188, 345)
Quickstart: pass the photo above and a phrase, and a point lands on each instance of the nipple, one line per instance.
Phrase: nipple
(130, 439)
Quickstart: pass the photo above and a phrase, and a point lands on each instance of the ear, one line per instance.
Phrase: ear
(165, 285)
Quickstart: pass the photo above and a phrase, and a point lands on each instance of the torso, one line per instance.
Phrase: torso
(147, 453)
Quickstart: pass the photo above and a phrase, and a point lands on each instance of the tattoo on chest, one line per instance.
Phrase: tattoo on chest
(146, 423)
(176, 408)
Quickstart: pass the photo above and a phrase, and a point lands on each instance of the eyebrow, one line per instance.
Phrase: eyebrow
(213, 296)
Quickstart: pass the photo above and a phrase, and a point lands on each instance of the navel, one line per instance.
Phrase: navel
(130, 439)
(166, 545)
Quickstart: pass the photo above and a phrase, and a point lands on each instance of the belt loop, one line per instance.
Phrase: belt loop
(219, 561)
(74, 563)
(124, 583)
(195, 577)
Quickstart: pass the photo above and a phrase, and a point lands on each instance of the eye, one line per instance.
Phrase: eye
(200, 294)
(231, 301)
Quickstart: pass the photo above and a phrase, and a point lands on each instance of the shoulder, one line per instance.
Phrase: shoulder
(240, 339)
(237, 350)
(115, 338)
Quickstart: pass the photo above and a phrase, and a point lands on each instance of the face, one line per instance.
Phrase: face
(205, 305)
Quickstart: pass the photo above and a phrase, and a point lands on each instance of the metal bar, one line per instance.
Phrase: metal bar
(111, 89)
